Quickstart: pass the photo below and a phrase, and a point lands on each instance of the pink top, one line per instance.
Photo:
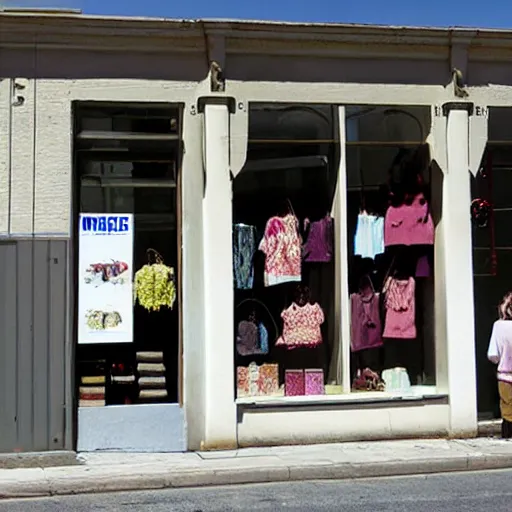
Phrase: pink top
(500, 349)
(405, 224)
(281, 244)
(302, 326)
(400, 309)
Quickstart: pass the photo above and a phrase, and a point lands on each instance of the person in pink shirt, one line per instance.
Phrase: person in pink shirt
(500, 353)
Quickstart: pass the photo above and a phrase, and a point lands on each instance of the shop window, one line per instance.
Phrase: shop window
(127, 161)
(291, 317)
(284, 261)
(390, 231)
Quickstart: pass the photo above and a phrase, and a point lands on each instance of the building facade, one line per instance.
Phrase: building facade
(229, 119)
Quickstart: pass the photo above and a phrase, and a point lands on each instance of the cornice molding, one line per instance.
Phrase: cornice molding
(110, 34)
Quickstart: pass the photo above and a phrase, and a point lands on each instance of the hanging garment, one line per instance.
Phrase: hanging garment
(301, 326)
(423, 267)
(263, 338)
(409, 224)
(400, 309)
(282, 247)
(369, 238)
(252, 338)
(244, 247)
(366, 328)
(319, 243)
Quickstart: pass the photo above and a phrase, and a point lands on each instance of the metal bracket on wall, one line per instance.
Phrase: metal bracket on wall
(18, 84)
(459, 88)
(217, 80)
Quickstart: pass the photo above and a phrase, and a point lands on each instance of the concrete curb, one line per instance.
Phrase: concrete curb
(38, 459)
(82, 480)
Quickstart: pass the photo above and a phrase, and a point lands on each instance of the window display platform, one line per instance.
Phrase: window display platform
(132, 428)
(416, 393)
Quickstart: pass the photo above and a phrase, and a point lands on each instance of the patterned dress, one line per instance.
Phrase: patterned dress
(400, 309)
(281, 244)
(302, 326)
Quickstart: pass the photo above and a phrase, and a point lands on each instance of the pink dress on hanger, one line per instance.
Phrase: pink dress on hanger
(301, 326)
(400, 309)
(281, 244)
(409, 224)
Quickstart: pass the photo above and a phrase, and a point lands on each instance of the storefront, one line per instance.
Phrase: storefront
(264, 185)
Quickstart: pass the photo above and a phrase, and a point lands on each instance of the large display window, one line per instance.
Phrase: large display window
(315, 320)
(283, 236)
(127, 160)
(391, 235)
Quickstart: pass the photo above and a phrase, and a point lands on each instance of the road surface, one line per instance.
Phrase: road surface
(460, 492)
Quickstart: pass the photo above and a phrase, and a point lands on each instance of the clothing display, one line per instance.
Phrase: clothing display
(365, 323)
(294, 383)
(281, 245)
(91, 395)
(396, 380)
(151, 381)
(400, 308)
(244, 248)
(149, 357)
(369, 238)
(254, 380)
(301, 326)
(314, 381)
(367, 380)
(318, 247)
(93, 381)
(251, 338)
(423, 267)
(409, 224)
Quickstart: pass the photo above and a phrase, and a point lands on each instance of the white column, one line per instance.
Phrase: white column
(458, 275)
(220, 409)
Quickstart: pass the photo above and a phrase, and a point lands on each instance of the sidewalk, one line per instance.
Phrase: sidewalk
(106, 472)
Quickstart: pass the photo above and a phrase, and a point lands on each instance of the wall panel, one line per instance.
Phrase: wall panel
(33, 336)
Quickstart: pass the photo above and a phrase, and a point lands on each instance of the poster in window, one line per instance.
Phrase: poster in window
(105, 278)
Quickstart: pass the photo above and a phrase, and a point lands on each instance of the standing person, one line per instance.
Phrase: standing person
(500, 353)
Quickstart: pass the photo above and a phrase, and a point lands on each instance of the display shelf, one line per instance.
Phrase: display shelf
(417, 393)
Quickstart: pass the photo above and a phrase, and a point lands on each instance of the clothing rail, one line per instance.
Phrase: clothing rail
(392, 143)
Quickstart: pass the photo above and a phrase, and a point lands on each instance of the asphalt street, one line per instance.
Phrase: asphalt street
(471, 492)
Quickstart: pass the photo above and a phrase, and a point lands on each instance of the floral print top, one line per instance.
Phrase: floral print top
(281, 244)
(302, 326)
(400, 309)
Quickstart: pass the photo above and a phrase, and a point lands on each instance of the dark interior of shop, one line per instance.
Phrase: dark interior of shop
(492, 249)
(126, 161)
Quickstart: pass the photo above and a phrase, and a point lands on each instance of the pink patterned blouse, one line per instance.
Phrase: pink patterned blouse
(302, 326)
(281, 244)
(400, 309)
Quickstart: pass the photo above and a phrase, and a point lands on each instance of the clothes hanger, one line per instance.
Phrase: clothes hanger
(370, 282)
(252, 299)
(290, 207)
